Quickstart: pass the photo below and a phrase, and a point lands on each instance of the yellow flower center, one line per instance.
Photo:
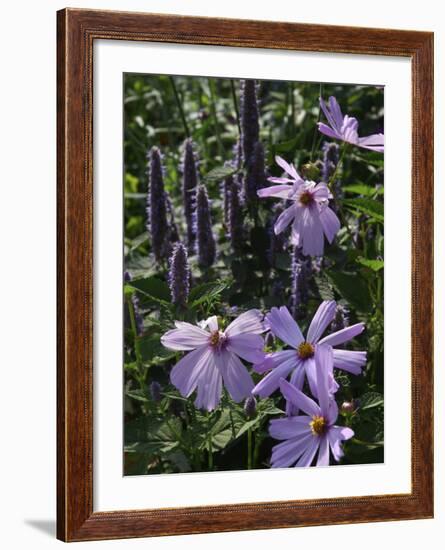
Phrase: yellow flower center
(318, 425)
(306, 198)
(217, 339)
(305, 350)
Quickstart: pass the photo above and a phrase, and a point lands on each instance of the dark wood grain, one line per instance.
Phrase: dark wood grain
(77, 30)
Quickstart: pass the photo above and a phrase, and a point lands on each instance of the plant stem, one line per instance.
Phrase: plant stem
(137, 349)
(249, 449)
(314, 136)
(215, 120)
(179, 104)
(235, 104)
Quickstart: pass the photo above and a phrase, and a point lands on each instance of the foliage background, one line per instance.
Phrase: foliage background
(167, 434)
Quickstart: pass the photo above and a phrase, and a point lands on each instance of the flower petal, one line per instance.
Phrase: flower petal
(350, 361)
(284, 219)
(287, 428)
(344, 335)
(374, 142)
(185, 337)
(278, 191)
(324, 129)
(283, 325)
(324, 360)
(187, 372)
(323, 452)
(247, 346)
(308, 456)
(297, 380)
(327, 113)
(288, 452)
(237, 380)
(335, 110)
(335, 435)
(271, 381)
(299, 399)
(322, 319)
(209, 388)
(330, 223)
(311, 232)
(288, 168)
(250, 321)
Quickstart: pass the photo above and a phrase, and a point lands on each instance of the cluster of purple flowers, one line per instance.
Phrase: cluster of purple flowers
(303, 367)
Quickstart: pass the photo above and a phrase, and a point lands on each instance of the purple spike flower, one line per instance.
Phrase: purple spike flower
(250, 406)
(179, 275)
(205, 239)
(341, 318)
(309, 213)
(155, 391)
(214, 357)
(190, 181)
(157, 225)
(345, 128)
(313, 432)
(255, 175)
(235, 226)
(330, 160)
(300, 272)
(299, 360)
(250, 128)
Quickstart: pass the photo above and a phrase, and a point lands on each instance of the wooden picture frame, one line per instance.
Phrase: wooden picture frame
(77, 30)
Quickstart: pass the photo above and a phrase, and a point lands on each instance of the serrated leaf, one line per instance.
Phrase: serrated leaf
(371, 207)
(375, 265)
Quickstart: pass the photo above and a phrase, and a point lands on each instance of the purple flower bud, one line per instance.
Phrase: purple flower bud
(300, 275)
(255, 175)
(341, 319)
(190, 179)
(179, 275)
(347, 407)
(157, 225)
(250, 406)
(155, 391)
(235, 225)
(205, 239)
(127, 276)
(250, 129)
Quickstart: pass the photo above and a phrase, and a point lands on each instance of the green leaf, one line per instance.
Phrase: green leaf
(152, 288)
(286, 146)
(370, 400)
(352, 288)
(137, 241)
(150, 346)
(371, 207)
(375, 265)
(207, 291)
(219, 173)
(363, 189)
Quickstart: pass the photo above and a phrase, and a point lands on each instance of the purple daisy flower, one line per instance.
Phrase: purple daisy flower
(215, 357)
(300, 360)
(315, 431)
(310, 215)
(345, 128)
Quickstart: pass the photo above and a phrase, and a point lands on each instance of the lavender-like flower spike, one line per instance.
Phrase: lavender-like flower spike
(235, 226)
(255, 175)
(205, 239)
(179, 275)
(341, 319)
(190, 180)
(330, 160)
(250, 129)
(157, 225)
(300, 273)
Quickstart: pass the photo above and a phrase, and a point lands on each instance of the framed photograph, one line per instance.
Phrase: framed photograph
(245, 230)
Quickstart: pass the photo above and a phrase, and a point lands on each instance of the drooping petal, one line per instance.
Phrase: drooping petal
(332, 412)
(287, 428)
(308, 456)
(297, 380)
(324, 360)
(299, 399)
(321, 320)
(185, 337)
(284, 219)
(344, 335)
(323, 452)
(330, 223)
(278, 191)
(251, 321)
(288, 452)
(209, 388)
(186, 373)
(237, 380)
(247, 346)
(374, 142)
(288, 168)
(311, 375)
(311, 232)
(350, 361)
(336, 435)
(283, 325)
(271, 381)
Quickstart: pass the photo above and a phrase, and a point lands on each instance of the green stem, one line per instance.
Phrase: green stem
(235, 104)
(249, 449)
(215, 120)
(179, 104)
